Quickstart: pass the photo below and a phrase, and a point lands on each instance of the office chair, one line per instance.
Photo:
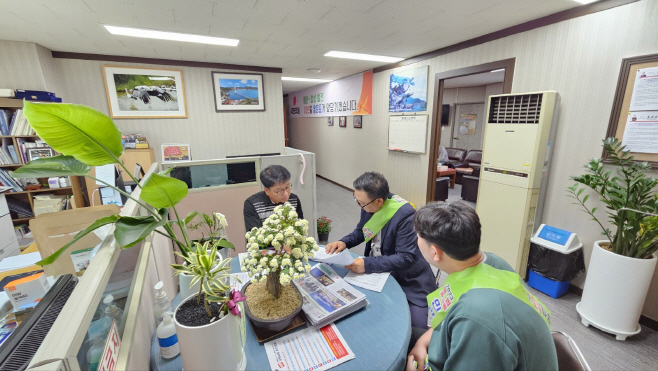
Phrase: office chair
(569, 356)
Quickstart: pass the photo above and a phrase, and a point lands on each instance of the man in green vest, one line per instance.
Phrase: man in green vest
(483, 317)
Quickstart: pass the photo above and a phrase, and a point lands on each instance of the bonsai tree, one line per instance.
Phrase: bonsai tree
(292, 248)
(628, 195)
(324, 225)
(86, 137)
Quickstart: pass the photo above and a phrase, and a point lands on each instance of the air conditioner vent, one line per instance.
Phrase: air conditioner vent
(515, 109)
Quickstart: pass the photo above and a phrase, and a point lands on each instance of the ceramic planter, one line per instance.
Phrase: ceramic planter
(274, 325)
(216, 346)
(614, 292)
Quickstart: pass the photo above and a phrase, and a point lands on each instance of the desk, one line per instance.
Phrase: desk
(378, 334)
(452, 173)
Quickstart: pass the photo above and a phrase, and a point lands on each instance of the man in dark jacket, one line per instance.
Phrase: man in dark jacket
(386, 226)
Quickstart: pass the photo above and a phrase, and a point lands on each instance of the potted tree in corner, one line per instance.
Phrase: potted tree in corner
(324, 227)
(621, 267)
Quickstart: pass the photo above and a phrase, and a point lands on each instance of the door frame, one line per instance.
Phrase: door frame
(435, 133)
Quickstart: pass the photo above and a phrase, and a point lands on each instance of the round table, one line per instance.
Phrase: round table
(377, 334)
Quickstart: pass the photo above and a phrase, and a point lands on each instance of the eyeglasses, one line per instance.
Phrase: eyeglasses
(359, 203)
(283, 190)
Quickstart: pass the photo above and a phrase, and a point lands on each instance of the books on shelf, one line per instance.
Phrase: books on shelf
(9, 181)
(19, 124)
(327, 297)
(5, 119)
(24, 146)
(19, 208)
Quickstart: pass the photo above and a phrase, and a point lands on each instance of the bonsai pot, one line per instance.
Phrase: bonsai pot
(274, 325)
(214, 346)
(614, 292)
(323, 237)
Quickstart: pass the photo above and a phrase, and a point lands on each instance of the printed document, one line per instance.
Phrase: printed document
(645, 90)
(641, 132)
(310, 349)
(372, 281)
(342, 258)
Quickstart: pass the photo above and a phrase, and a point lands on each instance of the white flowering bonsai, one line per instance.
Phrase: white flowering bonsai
(288, 260)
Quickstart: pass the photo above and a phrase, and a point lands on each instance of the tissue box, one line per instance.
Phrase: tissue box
(27, 290)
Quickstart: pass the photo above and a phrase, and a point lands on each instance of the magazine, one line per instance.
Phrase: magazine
(326, 296)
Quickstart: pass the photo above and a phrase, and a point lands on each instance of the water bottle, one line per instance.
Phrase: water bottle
(162, 304)
(112, 312)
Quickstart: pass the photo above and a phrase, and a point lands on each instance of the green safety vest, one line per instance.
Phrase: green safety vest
(382, 216)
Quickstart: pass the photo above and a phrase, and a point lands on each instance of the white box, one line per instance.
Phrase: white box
(53, 182)
(27, 289)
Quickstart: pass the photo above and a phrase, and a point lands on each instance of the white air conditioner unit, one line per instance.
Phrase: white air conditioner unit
(516, 155)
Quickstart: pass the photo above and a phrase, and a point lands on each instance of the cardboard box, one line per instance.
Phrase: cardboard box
(54, 230)
(48, 203)
(27, 290)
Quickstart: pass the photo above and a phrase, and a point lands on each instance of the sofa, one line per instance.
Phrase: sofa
(456, 157)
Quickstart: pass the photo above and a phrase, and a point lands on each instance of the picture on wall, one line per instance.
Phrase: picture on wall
(144, 92)
(467, 123)
(238, 91)
(342, 121)
(176, 152)
(39, 152)
(408, 90)
(357, 121)
(330, 121)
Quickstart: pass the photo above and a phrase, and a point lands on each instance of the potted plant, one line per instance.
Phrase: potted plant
(272, 302)
(208, 320)
(621, 267)
(324, 227)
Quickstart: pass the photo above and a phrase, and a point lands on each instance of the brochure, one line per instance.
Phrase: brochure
(372, 281)
(309, 350)
(326, 296)
(342, 258)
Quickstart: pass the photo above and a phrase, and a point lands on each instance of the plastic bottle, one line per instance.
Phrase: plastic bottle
(162, 304)
(167, 338)
(112, 312)
(95, 353)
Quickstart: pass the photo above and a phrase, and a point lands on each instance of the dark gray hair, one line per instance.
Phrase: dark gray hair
(274, 174)
(454, 228)
(372, 183)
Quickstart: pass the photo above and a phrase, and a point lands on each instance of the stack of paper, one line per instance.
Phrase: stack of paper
(372, 281)
(342, 258)
(19, 261)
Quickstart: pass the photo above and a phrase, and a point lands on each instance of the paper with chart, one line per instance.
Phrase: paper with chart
(310, 349)
(641, 132)
(645, 90)
(372, 281)
(407, 133)
(342, 258)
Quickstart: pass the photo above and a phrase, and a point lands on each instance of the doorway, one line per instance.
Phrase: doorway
(464, 93)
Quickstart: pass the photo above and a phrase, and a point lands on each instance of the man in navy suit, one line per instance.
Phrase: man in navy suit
(387, 227)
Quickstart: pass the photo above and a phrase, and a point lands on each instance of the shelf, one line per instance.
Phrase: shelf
(12, 165)
(11, 103)
(19, 220)
(39, 191)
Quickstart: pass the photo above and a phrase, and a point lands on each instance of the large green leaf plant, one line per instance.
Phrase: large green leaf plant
(628, 194)
(86, 137)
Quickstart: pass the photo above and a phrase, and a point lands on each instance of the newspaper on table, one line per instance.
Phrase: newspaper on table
(326, 296)
(372, 281)
(310, 349)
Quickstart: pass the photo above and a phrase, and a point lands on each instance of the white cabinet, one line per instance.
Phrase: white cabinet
(8, 242)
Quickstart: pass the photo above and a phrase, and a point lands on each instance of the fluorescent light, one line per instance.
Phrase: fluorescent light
(585, 1)
(303, 79)
(162, 35)
(498, 70)
(364, 57)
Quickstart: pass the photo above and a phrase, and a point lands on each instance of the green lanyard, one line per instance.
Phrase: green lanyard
(482, 276)
(382, 216)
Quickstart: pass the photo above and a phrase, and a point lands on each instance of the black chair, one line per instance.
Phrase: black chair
(569, 356)
(441, 189)
(470, 186)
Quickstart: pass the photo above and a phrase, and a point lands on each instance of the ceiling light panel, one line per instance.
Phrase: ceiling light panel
(363, 57)
(173, 36)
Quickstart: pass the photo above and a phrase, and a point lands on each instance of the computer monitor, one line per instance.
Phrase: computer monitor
(445, 114)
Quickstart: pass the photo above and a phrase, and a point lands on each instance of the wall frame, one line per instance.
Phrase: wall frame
(626, 105)
(238, 91)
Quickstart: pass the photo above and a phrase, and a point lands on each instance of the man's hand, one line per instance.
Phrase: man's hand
(358, 266)
(335, 247)
(419, 352)
(287, 249)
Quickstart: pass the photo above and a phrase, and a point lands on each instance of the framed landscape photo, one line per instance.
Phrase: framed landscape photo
(172, 152)
(39, 152)
(342, 121)
(330, 121)
(142, 92)
(357, 121)
(238, 91)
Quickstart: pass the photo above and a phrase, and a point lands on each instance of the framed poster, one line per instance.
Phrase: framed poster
(634, 116)
(357, 121)
(408, 90)
(144, 92)
(467, 123)
(342, 121)
(39, 152)
(175, 152)
(238, 91)
(330, 121)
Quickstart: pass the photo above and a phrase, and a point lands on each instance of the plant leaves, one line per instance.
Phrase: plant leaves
(130, 230)
(76, 130)
(95, 225)
(162, 191)
(190, 216)
(52, 166)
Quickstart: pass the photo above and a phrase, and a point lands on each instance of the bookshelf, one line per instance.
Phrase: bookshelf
(27, 197)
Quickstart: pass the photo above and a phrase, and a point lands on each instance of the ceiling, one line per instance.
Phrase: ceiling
(291, 34)
(479, 79)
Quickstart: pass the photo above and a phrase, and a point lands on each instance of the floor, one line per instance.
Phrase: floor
(600, 349)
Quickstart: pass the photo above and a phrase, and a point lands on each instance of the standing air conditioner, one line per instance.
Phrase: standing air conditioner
(516, 158)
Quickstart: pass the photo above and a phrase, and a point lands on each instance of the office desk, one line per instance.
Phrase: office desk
(378, 334)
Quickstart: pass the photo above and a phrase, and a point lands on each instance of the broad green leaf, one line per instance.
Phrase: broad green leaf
(190, 216)
(225, 243)
(76, 130)
(130, 230)
(52, 166)
(95, 225)
(162, 191)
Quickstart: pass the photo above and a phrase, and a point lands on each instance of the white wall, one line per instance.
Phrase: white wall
(579, 58)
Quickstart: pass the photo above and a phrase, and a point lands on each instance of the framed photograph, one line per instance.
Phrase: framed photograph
(342, 121)
(330, 121)
(144, 92)
(408, 90)
(357, 121)
(172, 152)
(238, 91)
(39, 152)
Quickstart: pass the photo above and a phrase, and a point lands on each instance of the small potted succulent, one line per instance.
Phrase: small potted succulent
(278, 253)
(208, 320)
(324, 227)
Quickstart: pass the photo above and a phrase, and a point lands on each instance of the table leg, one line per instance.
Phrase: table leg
(453, 178)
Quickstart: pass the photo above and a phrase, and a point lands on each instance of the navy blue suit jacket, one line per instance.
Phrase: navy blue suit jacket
(400, 254)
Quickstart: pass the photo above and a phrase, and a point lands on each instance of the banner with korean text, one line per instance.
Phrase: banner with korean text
(351, 95)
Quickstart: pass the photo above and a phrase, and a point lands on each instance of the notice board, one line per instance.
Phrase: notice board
(407, 133)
